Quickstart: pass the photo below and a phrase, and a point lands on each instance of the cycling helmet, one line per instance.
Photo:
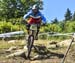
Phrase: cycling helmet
(35, 7)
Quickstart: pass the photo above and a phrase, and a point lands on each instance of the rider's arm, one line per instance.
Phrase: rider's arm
(27, 15)
(43, 19)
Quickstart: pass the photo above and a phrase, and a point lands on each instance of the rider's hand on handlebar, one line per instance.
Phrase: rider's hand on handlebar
(24, 22)
(43, 24)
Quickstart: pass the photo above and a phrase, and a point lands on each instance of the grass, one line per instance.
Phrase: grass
(5, 44)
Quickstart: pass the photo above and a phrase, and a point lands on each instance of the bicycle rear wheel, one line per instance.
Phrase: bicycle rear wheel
(30, 44)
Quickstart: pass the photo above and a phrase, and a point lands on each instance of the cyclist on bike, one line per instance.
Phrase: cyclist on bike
(35, 17)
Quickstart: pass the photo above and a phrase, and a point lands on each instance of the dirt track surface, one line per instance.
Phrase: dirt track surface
(55, 56)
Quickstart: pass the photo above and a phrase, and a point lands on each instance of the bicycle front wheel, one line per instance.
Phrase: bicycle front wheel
(30, 44)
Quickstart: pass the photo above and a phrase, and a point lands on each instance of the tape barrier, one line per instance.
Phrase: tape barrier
(47, 33)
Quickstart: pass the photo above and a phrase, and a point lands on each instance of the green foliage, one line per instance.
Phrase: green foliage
(73, 17)
(12, 11)
(15, 8)
(43, 36)
(55, 28)
(58, 38)
(70, 26)
(68, 15)
(63, 27)
(9, 27)
(55, 21)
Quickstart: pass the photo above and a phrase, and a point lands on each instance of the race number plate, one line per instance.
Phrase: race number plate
(33, 27)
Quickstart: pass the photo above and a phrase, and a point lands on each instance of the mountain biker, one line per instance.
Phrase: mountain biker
(35, 17)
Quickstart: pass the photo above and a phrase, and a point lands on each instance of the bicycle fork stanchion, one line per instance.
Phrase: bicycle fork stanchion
(67, 50)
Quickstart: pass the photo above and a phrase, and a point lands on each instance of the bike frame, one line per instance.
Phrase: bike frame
(33, 29)
(31, 38)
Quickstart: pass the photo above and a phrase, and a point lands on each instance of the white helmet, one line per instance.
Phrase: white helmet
(35, 7)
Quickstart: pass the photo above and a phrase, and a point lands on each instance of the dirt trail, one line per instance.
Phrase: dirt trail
(53, 55)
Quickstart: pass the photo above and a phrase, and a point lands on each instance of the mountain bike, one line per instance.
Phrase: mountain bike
(31, 38)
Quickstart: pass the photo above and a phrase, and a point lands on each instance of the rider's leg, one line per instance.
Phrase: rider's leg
(28, 28)
(38, 27)
(36, 38)
(28, 31)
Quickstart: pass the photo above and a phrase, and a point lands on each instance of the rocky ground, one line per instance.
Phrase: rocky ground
(51, 52)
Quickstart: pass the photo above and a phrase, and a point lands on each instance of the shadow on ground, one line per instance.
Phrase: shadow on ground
(44, 53)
